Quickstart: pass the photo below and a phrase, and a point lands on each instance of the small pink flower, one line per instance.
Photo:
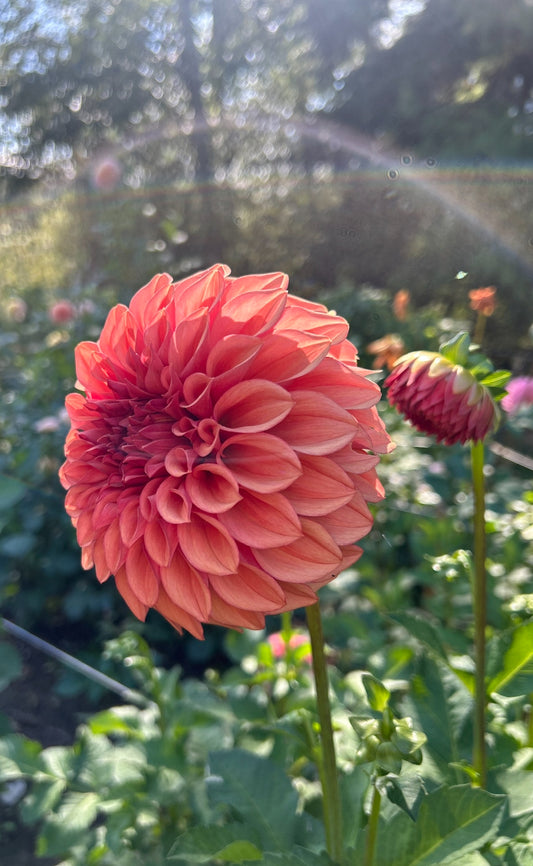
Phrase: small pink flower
(441, 398)
(62, 311)
(519, 393)
(279, 646)
(106, 173)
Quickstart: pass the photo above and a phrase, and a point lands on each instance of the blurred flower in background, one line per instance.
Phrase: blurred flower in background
(483, 301)
(400, 304)
(387, 351)
(62, 311)
(519, 393)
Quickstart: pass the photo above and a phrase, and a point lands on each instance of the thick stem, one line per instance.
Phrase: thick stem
(372, 830)
(480, 611)
(328, 774)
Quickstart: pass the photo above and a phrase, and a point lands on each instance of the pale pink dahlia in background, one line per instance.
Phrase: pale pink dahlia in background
(519, 393)
(219, 463)
(441, 398)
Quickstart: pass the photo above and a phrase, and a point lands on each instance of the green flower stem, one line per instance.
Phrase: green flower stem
(480, 611)
(372, 828)
(328, 774)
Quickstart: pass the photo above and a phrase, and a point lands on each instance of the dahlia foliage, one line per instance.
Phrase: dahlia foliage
(219, 463)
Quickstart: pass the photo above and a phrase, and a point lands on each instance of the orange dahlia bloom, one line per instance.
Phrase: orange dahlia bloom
(483, 300)
(400, 304)
(218, 464)
(441, 398)
(387, 351)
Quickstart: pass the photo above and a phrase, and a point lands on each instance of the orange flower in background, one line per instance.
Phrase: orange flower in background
(387, 350)
(400, 304)
(218, 464)
(483, 300)
(441, 398)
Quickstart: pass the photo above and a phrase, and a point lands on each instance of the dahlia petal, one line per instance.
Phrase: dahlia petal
(311, 557)
(369, 486)
(135, 605)
(283, 356)
(178, 461)
(316, 425)
(85, 528)
(296, 595)
(199, 290)
(114, 550)
(262, 520)
(236, 286)
(250, 313)
(260, 461)
(314, 319)
(227, 615)
(212, 488)
(173, 502)
(186, 587)
(189, 345)
(150, 299)
(87, 559)
(160, 541)
(230, 353)
(177, 616)
(349, 523)
(348, 388)
(322, 487)
(355, 461)
(101, 567)
(141, 575)
(196, 394)
(249, 589)
(252, 406)
(208, 546)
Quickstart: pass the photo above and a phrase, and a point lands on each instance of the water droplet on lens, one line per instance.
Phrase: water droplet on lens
(393, 174)
(406, 159)
(431, 162)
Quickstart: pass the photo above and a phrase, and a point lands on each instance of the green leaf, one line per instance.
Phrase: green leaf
(18, 757)
(407, 792)
(10, 664)
(451, 823)
(378, 695)
(353, 788)
(260, 792)
(65, 827)
(44, 796)
(233, 843)
(456, 349)
(421, 629)
(498, 379)
(441, 706)
(515, 660)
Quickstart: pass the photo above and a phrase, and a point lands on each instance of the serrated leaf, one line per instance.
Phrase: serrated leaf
(64, 827)
(18, 757)
(451, 823)
(44, 796)
(232, 843)
(260, 792)
(518, 655)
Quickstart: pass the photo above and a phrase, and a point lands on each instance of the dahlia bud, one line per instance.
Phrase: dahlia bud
(443, 398)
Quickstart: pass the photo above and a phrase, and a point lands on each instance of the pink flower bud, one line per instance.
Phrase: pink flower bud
(441, 398)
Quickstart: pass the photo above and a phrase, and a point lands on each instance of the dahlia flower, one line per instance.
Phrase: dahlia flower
(220, 462)
(483, 301)
(519, 393)
(441, 398)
